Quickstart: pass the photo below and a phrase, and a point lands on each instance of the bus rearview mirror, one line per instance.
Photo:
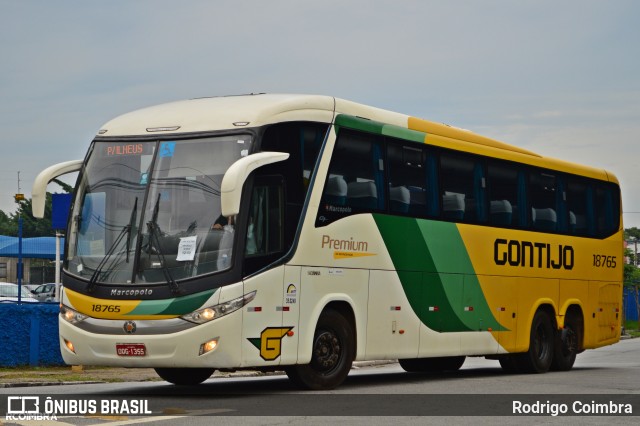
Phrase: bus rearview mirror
(39, 190)
(236, 175)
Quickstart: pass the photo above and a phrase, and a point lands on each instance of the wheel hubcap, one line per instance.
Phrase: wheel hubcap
(326, 351)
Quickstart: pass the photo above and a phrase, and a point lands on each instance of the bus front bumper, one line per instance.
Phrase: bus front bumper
(216, 344)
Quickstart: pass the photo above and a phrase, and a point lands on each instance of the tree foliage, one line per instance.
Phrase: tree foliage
(632, 232)
(31, 227)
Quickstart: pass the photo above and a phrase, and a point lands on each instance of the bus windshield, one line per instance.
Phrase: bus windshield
(149, 212)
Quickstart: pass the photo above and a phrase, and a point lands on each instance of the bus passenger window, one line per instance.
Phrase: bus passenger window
(607, 210)
(503, 195)
(355, 183)
(463, 188)
(578, 205)
(543, 201)
(407, 178)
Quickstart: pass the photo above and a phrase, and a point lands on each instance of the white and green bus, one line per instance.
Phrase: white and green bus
(301, 233)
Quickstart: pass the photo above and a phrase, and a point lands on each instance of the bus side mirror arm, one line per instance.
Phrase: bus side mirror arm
(234, 178)
(39, 190)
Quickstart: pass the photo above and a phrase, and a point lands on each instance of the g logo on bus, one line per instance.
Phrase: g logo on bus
(270, 342)
(129, 327)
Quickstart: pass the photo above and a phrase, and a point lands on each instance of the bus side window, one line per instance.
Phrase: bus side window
(607, 210)
(357, 161)
(463, 188)
(407, 179)
(578, 206)
(543, 201)
(264, 240)
(264, 230)
(504, 195)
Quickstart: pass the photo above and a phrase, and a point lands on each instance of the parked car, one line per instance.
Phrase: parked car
(9, 293)
(44, 292)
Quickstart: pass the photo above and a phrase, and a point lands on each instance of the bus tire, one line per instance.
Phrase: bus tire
(185, 376)
(332, 354)
(541, 346)
(432, 365)
(566, 346)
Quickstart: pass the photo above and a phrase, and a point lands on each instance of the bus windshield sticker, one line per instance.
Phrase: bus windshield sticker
(167, 149)
(187, 249)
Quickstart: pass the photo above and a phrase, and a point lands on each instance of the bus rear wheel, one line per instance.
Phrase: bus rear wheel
(541, 346)
(567, 345)
(426, 365)
(185, 376)
(332, 354)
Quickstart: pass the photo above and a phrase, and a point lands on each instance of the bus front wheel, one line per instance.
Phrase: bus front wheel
(332, 354)
(185, 376)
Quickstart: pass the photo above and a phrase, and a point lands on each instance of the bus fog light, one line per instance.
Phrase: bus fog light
(207, 347)
(69, 345)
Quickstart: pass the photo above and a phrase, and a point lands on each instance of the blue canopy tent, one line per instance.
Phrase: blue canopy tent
(32, 248)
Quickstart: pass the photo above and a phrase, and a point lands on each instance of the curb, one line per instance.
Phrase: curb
(218, 374)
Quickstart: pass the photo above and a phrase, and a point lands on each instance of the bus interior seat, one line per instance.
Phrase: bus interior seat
(336, 192)
(418, 201)
(453, 205)
(501, 212)
(544, 219)
(399, 199)
(362, 195)
(577, 223)
(572, 222)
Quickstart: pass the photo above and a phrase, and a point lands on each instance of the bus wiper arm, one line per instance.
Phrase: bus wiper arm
(155, 243)
(131, 222)
(152, 225)
(125, 230)
(112, 249)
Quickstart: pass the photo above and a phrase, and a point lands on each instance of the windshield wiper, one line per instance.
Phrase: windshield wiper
(153, 227)
(125, 230)
(131, 223)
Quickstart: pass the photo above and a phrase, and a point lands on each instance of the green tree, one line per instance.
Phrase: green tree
(632, 232)
(31, 227)
(7, 226)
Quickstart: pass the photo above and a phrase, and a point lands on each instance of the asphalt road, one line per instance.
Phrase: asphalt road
(380, 394)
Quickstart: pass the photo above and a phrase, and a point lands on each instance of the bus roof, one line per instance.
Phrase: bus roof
(219, 113)
(234, 112)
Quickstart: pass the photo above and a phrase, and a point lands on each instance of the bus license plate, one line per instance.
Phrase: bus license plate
(131, 349)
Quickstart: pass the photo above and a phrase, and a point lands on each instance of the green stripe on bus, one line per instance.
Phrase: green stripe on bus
(358, 123)
(177, 306)
(379, 128)
(436, 274)
(406, 134)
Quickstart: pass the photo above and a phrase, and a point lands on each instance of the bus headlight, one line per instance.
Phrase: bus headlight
(70, 315)
(212, 312)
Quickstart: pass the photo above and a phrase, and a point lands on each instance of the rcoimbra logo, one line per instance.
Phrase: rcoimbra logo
(344, 249)
(22, 408)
